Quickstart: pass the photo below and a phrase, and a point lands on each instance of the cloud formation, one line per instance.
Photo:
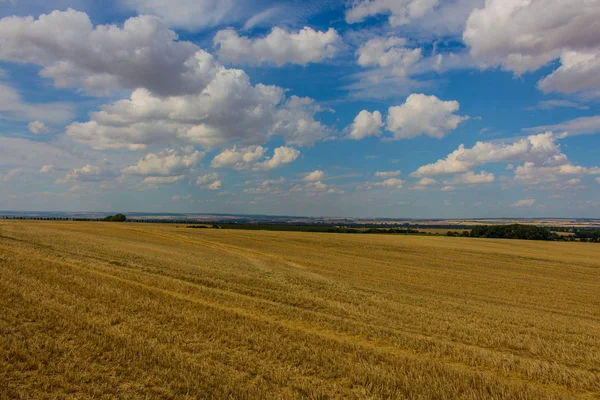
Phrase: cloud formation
(512, 35)
(423, 115)
(254, 157)
(38, 128)
(366, 124)
(88, 173)
(314, 176)
(279, 47)
(388, 52)
(166, 162)
(400, 12)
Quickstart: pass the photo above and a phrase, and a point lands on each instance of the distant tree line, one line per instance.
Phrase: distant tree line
(530, 232)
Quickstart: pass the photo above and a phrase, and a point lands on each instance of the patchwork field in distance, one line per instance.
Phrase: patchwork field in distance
(160, 311)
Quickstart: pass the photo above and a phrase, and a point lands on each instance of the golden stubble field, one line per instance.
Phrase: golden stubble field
(108, 310)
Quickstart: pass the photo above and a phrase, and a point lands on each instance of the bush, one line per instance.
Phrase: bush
(116, 218)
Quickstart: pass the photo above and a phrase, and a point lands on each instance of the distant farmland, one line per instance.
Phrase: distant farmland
(159, 311)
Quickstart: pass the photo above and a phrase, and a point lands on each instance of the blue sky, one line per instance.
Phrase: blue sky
(366, 108)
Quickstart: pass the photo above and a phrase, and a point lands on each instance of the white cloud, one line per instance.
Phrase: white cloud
(316, 186)
(159, 180)
(577, 126)
(551, 104)
(204, 179)
(38, 128)
(427, 182)
(165, 163)
(281, 156)
(525, 203)
(254, 157)
(13, 107)
(74, 53)
(388, 52)
(238, 158)
(573, 182)
(511, 34)
(88, 173)
(530, 173)
(391, 183)
(400, 12)
(387, 174)
(228, 109)
(471, 178)
(216, 185)
(579, 72)
(13, 174)
(448, 188)
(314, 176)
(191, 14)
(366, 124)
(279, 47)
(46, 169)
(539, 149)
(423, 115)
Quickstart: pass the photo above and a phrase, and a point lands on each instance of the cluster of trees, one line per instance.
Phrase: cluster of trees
(587, 235)
(514, 231)
(530, 232)
(116, 218)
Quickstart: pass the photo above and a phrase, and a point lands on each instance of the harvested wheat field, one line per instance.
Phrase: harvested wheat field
(108, 310)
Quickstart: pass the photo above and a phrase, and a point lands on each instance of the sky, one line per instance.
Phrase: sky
(360, 108)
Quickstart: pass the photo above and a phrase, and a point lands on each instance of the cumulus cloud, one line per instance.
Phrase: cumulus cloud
(542, 157)
(74, 53)
(511, 34)
(400, 12)
(37, 128)
(181, 94)
(387, 174)
(525, 203)
(228, 109)
(88, 173)
(205, 179)
(254, 157)
(314, 176)
(366, 124)
(160, 180)
(423, 115)
(279, 47)
(427, 182)
(393, 183)
(46, 169)
(281, 156)
(164, 163)
(238, 158)
(216, 185)
(471, 178)
(539, 149)
(388, 52)
(533, 174)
